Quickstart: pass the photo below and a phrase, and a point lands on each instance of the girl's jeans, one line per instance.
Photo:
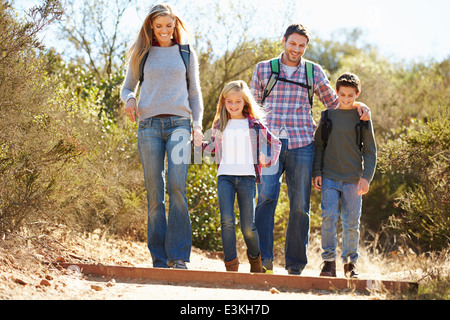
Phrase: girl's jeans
(333, 193)
(168, 239)
(245, 189)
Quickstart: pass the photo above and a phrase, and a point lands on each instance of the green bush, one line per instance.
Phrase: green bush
(421, 155)
(203, 206)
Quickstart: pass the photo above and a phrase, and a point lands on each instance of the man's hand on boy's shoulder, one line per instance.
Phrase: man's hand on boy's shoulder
(364, 111)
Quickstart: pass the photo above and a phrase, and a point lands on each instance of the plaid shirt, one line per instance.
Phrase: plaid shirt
(263, 143)
(288, 106)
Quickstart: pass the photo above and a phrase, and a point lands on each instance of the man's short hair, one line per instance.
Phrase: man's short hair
(348, 80)
(297, 28)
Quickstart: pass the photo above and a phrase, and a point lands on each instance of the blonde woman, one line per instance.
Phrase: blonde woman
(170, 98)
(243, 146)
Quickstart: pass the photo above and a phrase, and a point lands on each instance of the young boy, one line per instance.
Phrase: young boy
(344, 165)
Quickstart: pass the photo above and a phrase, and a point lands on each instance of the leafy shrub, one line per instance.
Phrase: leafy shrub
(203, 206)
(421, 154)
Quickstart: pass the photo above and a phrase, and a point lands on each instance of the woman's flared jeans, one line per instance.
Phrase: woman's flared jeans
(169, 238)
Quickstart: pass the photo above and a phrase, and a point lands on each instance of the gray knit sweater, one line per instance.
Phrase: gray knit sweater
(164, 90)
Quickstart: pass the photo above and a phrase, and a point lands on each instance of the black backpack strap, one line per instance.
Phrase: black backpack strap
(141, 68)
(359, 130)
(327, 125)
(185, 52)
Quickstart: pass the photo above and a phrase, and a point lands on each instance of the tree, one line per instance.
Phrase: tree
(93, 30)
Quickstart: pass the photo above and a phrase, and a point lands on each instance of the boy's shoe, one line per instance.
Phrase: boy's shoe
(350, 270)
(267, 266)
(232, 265)
(177, 264)
(328, 269)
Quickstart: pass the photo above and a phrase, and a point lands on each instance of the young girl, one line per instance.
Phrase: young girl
(242, 146)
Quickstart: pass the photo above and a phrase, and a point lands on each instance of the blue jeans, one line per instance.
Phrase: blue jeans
(168, 239)
(245, 189)
(333, 193)
(297, 166)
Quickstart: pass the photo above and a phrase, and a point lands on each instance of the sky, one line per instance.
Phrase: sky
(412, 29)
(403, 30)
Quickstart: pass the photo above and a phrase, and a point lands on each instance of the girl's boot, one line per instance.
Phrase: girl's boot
(232, 265)
(255, 264)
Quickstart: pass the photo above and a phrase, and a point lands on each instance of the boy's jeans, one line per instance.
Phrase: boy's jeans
(168, 239)
(333, 193)
(245, 189)
(297, 165)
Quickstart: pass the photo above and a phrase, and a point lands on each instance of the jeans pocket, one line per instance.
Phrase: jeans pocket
(181, 122)
(145, 123)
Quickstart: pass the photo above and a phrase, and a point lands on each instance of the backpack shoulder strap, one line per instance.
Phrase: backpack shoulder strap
(325, 133)
(275, 67)
(310, 80)
(326, 128)
(360, 133)
(185, 52)
(141, 68)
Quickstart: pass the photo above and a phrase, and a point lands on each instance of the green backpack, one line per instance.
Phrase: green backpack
(275, 76)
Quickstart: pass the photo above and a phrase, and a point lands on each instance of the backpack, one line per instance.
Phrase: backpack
(275, 76)
(327, 125)
(184, 52)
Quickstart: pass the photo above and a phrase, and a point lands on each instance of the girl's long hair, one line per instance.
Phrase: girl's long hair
(144, 40)
(251, 107)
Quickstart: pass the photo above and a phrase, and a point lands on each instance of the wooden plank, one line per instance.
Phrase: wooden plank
(257, 281)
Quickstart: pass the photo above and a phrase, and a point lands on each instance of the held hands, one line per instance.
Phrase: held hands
(198, 136)
(131, 110)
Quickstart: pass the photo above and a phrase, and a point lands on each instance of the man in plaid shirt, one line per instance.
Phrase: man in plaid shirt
(289, 117)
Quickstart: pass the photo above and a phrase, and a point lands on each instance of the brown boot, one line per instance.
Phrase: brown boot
(328, 269)
(255, 264)
(232, 265)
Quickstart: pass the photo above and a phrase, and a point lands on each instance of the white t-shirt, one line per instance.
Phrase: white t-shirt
(237, 157)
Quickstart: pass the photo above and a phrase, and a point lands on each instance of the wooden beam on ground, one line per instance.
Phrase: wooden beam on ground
(234, 280)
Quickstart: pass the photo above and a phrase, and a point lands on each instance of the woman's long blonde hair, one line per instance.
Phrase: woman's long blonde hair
(145, 37)
(251, 107)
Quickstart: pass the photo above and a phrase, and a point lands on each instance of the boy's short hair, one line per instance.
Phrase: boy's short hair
(297, 28)
(348, 80)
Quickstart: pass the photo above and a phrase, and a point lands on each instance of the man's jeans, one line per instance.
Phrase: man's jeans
(168, 239)
(245, 189)
(297, 165)
(333, 193)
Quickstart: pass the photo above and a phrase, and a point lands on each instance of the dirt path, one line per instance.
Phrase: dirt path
(24, 275)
